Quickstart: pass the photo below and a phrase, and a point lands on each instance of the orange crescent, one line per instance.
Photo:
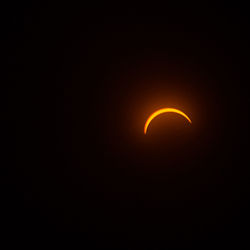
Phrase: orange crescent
(161, 111)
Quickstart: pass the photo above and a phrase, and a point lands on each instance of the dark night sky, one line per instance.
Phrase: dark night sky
(82, 82)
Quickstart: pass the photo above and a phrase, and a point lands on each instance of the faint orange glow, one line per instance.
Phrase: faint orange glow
(161, 111)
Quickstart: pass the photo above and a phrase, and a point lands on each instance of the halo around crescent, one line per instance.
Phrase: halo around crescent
(161, 111)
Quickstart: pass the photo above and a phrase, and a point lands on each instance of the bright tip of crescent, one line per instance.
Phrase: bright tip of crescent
(161, 111)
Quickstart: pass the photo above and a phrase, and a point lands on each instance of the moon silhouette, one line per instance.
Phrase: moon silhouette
(161, 111)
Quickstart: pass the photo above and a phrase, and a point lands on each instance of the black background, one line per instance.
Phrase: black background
(82, 82)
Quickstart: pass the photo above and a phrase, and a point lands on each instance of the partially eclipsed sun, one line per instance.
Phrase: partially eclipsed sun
(161, 111)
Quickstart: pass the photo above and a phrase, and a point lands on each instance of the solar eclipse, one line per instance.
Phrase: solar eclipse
(162, 111)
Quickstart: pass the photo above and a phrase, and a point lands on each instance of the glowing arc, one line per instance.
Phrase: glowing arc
(161, 111)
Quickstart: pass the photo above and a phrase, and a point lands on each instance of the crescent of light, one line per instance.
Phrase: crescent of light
(161, 111)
